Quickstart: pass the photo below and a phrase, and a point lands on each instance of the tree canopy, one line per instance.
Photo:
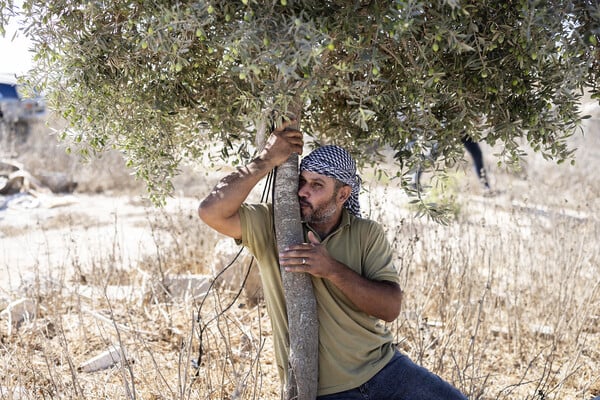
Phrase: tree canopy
(164, 81)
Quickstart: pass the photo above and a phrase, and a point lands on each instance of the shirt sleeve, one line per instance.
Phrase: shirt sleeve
(378, 256)
(257, 226)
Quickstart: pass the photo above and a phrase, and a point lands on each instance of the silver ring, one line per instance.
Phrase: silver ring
(303, 261)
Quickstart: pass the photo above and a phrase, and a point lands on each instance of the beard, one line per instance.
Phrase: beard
(319, 214)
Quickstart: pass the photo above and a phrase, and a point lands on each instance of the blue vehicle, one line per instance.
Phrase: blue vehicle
(17, 114)
(15, 109)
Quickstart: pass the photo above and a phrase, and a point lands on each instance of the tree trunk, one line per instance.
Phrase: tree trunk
(303, 371)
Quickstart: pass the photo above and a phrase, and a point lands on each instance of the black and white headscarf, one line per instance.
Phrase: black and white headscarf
(337, 163)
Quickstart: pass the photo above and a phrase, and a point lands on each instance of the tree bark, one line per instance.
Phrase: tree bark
(303, 371)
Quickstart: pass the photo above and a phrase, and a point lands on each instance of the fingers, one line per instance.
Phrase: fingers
(289, 124)
(312, 238)
(296, 254)
(286, 139)
(299, 258)
(302, 247)
(296, 262)
(293, 137)
(295, 140)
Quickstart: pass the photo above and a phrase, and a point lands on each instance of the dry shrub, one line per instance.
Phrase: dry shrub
(504, 313)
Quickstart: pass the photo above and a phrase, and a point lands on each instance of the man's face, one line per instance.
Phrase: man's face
(319, 198)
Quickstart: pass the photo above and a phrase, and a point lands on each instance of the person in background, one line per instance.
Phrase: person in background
(476, 155)
(350, 261)
(475, 151)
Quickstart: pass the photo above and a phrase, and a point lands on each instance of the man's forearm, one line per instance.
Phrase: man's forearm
(231, 191)
(381, 299)
(220, 208)
(378, 298)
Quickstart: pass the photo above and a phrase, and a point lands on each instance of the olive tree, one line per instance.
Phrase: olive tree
(167, 82)
(164, 81)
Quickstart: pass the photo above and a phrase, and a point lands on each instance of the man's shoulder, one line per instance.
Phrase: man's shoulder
(254, 214)
(364, 223)
(366, 228)
(256, 208)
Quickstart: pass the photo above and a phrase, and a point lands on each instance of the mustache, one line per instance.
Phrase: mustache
(305, 203)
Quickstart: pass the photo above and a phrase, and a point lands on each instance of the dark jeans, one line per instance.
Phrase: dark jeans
(401, 379)
(477, 156)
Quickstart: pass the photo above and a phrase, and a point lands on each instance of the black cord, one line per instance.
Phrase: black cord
(268, 189)
(272, 190)
(198, 362)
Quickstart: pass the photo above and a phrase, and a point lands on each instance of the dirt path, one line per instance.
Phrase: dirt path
(50, 235)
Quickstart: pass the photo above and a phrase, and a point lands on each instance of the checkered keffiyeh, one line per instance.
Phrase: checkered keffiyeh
(335, 162)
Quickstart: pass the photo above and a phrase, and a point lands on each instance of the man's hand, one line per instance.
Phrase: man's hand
(282, 142)
(309, 257)
(381, 299)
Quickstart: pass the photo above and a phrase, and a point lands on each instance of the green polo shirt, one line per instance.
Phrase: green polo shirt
(353, 346)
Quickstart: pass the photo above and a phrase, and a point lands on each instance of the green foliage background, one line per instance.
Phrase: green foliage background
(172, 81)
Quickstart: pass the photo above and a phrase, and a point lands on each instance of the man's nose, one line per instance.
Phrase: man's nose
(302, 192)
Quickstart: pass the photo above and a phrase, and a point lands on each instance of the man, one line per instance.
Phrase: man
(350, 261)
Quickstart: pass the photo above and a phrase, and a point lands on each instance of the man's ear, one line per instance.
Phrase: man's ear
(344, 193)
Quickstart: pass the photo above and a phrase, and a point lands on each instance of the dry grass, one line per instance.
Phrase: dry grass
(504, 302)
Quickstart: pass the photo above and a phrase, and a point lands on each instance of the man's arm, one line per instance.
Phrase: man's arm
(381, 299)
(220, 209)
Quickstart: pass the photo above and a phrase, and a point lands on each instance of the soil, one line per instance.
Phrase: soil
(47, 234)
